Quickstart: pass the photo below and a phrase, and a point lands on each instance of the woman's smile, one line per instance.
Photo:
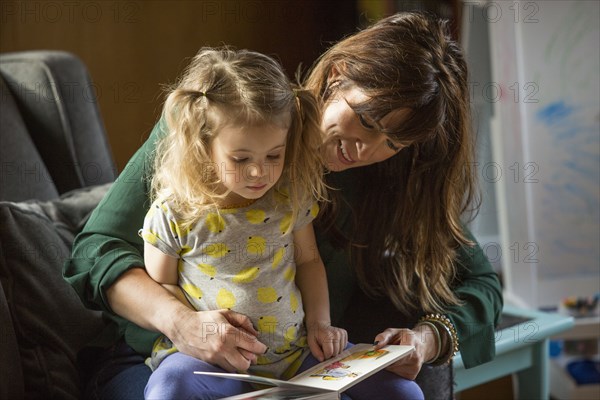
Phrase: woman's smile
(345, 157)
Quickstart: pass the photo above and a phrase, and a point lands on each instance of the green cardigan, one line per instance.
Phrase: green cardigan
(109, 245)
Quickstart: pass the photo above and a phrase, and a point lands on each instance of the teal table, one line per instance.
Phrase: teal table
(522, 349)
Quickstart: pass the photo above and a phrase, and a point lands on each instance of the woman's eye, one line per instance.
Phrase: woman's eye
(392, 145)
(239, 160)
(364, 122)
(274, 157)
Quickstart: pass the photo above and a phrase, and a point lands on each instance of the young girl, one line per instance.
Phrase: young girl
(236, 184)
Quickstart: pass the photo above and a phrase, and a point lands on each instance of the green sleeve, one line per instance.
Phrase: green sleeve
(109, 244)
(478, 287)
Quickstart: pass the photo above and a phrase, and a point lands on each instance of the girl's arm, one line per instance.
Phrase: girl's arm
(163, 269)
(324, 340)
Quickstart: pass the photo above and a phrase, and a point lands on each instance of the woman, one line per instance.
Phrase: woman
(396, 118)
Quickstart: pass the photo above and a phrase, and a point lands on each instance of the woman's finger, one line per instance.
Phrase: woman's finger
(386, 337)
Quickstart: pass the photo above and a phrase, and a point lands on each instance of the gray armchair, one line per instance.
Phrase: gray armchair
(53, 138)
(55, 165)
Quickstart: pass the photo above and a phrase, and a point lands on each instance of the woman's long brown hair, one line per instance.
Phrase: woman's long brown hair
(407, 225)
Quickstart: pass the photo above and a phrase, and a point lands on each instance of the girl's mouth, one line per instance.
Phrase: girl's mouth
(257, 187)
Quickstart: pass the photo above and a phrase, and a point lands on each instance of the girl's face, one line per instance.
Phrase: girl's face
(249, 159)
(353, 140)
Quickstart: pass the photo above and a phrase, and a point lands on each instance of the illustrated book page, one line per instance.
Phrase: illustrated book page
(330, 377)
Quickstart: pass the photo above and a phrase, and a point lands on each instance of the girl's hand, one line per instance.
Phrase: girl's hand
(222, 337)
(326, 341)
(421, 337)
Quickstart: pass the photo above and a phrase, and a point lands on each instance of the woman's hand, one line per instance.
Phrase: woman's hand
(326, 341)
(222, 337)
(421, 337)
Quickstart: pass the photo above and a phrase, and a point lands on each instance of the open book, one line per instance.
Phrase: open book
(326, 380)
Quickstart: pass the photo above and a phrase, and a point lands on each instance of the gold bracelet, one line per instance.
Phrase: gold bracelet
(444, 321)
(437, 337)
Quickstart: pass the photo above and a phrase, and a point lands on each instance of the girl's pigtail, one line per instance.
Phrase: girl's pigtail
(182, 150)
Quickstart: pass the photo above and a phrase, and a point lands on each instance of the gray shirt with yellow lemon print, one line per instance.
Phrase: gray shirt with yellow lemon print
(240, 259)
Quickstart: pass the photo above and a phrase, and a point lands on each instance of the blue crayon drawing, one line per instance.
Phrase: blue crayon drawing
(569, 202)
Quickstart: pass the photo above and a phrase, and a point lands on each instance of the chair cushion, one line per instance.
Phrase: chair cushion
(49, 322)
(23, 173)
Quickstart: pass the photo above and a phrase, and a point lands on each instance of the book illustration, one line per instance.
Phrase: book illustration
(325, 380)
(342, 369)
(374, 353)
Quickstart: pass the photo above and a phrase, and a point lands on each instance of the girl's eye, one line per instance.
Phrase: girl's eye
(274, 157)
(392, 145)
(239, 160)
(364, 122)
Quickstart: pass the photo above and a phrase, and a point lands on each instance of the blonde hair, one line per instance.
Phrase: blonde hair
(224, 86)
(407, 225)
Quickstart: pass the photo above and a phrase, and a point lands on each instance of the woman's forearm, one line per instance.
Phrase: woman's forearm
(138, 298)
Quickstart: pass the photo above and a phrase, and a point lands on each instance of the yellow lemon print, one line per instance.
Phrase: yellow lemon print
(281, 196)
(184, 250)
(267, 295)
(284, 348)
(192, 290)
(278, 256)
(294, 302)
(267, 324)
(284, 225)
(161, 345)
(314, 210)
(215, 223)
(163, 206)
(176, 229)
(256, 245)
(207, 270)
(246, 275)
(289, 273)
(291, 333)
(256, 216)
(215, 250)
(165, 346)
(262, 360)
(225, 299)
(150, 237)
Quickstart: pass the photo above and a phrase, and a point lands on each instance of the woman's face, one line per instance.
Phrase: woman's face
(353, 140)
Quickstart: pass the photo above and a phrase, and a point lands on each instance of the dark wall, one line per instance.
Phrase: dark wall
(133, 47)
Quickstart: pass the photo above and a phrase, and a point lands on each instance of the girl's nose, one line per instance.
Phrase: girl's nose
(256, 170)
